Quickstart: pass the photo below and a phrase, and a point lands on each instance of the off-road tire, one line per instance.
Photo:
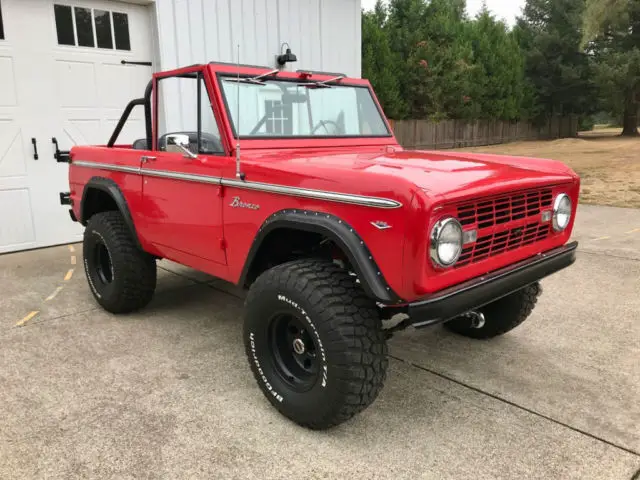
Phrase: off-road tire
(345, 328)
(500, 316)
(132, 271)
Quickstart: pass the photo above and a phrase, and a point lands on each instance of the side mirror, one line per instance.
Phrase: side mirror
(179, 142)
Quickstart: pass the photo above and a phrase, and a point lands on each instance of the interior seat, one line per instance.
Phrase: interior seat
(140, 144)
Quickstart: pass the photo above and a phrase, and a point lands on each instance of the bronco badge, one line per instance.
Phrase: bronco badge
(237, 203)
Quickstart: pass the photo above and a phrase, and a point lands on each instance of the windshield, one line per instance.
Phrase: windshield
(278, 108)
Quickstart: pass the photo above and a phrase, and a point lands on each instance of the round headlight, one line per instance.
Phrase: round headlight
(561, 212)
(446, 242)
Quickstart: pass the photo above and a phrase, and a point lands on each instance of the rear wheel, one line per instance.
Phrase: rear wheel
(122, 278)
(499, 317)
(314, 342)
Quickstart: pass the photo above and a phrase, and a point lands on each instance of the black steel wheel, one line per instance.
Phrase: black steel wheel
(104, 266)
(295, 354)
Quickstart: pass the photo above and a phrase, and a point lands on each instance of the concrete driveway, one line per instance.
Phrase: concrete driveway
(167, 392)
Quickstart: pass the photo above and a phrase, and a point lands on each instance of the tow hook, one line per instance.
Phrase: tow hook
(477, 319)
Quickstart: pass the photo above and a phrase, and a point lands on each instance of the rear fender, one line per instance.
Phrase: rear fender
(111, 188)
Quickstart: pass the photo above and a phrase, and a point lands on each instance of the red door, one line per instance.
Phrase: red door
(182, 205)
(181, 185)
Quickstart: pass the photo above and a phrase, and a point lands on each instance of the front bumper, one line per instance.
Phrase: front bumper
(467, 296)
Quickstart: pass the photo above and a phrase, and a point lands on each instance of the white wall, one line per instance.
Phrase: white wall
(324, 34)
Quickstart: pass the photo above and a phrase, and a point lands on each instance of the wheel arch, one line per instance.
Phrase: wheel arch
(103, 194)
(330, 227)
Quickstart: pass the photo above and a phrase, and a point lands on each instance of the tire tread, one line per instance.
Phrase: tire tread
(355, 335)
(501, 316)
(136, 269)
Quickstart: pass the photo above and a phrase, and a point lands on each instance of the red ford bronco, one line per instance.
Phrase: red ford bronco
(292, 185)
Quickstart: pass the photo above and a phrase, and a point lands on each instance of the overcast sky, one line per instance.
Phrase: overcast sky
(507, 9)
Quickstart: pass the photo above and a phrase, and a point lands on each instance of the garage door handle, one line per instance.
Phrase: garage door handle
(144, 64)
(35, 148)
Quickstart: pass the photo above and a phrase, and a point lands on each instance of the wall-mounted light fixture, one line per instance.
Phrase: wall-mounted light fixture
(286, 57)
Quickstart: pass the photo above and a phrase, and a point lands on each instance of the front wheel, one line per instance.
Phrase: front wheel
(314, 342)
(500, 316)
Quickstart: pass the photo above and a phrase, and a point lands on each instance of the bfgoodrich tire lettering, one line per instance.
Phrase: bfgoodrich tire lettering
(121, 277)
(341, 331)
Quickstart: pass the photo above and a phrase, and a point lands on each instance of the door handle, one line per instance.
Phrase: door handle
(147, 158)
(35, 148)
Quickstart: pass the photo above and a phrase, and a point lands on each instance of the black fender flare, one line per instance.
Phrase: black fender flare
(342, 234)
(113, 190)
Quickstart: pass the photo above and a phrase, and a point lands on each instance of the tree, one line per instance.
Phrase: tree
(404, 27)
(612, 34)
(556, 68)
(428, 59)
(434, 56)
(378, 62)
(498, 83)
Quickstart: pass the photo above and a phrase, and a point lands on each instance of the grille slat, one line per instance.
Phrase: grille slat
(496, 214)
(497, 243)
(503, 209)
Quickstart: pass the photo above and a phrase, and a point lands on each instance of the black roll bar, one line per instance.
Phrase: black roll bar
(146, 102)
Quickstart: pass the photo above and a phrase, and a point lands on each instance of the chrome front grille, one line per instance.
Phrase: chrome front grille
(503, 209)
(505, 222)
(500, 242)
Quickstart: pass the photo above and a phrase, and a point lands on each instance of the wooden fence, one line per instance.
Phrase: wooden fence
(426, 134)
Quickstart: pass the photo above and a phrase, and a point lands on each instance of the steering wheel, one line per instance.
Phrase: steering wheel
(324, 123)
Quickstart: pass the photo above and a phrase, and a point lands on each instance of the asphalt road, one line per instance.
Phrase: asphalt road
(167, 392)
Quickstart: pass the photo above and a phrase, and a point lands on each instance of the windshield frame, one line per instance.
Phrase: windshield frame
(346, 82)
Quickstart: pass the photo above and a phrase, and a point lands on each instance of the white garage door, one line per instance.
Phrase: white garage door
(61, 75)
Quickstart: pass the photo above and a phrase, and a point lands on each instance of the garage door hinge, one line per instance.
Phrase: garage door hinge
(61, 156)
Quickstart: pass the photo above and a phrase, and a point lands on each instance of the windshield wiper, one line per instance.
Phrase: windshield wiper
(322, 84)
(257, 80)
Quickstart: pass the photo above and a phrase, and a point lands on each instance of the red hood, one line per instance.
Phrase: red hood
(448, 174)
(443, 174)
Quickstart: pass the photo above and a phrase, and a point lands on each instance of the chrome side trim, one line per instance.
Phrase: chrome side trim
(189, 177)
(106, 166)
(149, 172)
(316, 194)
(338, 197)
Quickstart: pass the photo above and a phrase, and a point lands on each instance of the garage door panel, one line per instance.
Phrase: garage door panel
(76, 83)
(140, 33)
(15, 232)
(117, 82)
(8, 97)
(71, 92)
(81, 132)
(12, 155)
(133, 130)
